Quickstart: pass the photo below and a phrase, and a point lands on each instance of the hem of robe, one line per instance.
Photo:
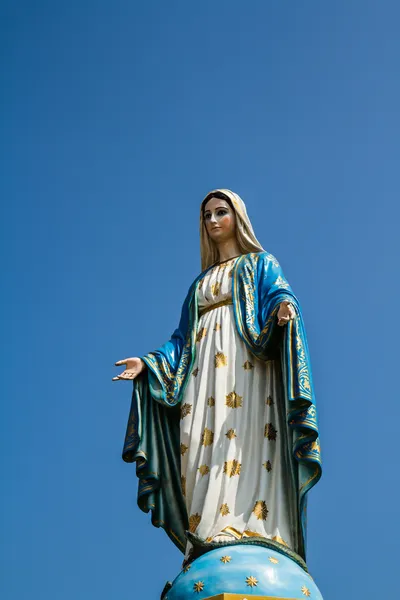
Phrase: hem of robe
(201, 546)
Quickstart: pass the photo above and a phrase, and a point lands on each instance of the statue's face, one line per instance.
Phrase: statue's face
(220, 220)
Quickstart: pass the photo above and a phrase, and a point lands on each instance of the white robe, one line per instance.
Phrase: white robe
(235, 462)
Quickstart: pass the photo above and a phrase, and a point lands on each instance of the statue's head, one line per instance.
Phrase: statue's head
(219, 217)
(223, 216)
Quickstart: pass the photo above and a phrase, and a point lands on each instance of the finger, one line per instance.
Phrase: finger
(121, 362)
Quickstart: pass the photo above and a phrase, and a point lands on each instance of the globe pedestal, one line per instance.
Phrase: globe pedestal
(243, 572)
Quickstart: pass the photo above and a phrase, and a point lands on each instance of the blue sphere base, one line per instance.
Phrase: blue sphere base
(243, 572)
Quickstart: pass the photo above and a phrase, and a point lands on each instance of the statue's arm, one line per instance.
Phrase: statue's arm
(164, 358)
(275, 293)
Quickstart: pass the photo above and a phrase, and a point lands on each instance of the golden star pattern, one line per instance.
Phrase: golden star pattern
(251, 581)
(306, 591)
(207, 437)
(273, 560)
(232, 467)
(217, 327)
(267, 465)
(211, 402)
(231, 434)
(270, 432)
(194, 522)
(225, 559)
(233, 400)
(224, 510)
(183, 449)
(198, 586)
(220, 360)
(260, 510)
(201, 333)
(195, 372)
(248, 366)
(269, 401)
(186, 409)
(204, 470)
(215, 288)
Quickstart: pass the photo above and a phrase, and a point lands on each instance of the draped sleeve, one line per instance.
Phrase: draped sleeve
(152, 438)
(260, 287)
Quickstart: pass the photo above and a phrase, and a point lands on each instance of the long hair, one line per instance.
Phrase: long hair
(245, 235)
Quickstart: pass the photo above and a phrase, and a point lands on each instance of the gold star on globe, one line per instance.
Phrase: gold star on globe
(251, 581)
(198, 586)
(225, 559)
(306, 591)
(273, 560)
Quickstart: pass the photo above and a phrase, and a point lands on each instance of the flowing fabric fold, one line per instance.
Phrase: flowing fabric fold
(152, 441)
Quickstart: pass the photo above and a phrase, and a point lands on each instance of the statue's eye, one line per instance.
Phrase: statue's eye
(222, 212)
(207, 216)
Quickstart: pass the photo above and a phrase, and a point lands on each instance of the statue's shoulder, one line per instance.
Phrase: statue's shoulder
(262, 259)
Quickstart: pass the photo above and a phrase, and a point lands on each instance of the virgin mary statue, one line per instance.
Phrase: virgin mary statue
(223, 424)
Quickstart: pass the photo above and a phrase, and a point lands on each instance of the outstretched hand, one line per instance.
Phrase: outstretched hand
(286, 313)
(134, 366)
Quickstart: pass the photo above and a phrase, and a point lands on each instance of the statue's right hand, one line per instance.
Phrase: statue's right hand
(133, 366)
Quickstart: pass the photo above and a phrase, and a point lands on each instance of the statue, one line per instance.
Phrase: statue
(223, 423)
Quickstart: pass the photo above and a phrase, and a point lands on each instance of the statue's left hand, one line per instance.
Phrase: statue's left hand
(286, 313)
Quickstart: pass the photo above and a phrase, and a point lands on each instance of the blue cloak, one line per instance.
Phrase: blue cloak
(153, 431)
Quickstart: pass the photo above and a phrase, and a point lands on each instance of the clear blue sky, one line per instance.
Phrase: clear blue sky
(116, 119)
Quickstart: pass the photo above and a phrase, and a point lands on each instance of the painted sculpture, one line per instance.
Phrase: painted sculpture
(223, 422)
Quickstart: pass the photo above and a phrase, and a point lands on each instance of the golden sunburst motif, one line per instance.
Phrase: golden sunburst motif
(220, 360)
(233, 400)
(225, 559)
(201, 333)
(183, 484)
(204, 470)
(211, 401)
(306, 591)
(183, 449)
(232, 467)
(269, 401)
(273, 560)
(260, 510)
(251, 581)
(280, 282)
(198, 586)
(215, 288)
(248, 366)
(270, 432)
(195, 372)
(207, 437)
(194, 522)
(186, 409)
(267, 465)
(217, 327)
(224, 510)
(231, 434)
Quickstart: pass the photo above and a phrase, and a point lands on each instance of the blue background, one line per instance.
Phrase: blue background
(116, 119)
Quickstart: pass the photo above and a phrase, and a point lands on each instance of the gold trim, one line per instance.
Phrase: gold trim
(205, 310)
(244, 596)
